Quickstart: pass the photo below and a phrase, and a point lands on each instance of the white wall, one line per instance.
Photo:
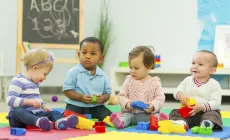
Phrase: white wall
(170, 26)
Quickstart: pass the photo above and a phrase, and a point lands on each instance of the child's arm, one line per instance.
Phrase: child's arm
(123, 98)
(159, 97)
(180, 89)
(214, 101)
(13, 99)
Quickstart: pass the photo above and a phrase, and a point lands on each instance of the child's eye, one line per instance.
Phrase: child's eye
(193, 63)
(84, 52)
(200, 64)
(93, 53)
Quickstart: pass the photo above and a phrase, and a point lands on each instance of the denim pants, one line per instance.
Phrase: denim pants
(21, 117)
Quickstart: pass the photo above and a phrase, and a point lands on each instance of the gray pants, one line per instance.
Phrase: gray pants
(133, 118)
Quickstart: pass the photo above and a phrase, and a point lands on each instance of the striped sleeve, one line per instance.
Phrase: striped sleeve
(13, 99)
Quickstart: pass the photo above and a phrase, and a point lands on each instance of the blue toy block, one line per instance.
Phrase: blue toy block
(88, 116)
(17, 131)
(139, 105)
(143, 126)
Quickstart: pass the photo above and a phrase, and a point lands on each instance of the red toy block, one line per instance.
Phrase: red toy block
(100, 129)
(184, 111)
(153, 122)
(68, 113)
(98, 124)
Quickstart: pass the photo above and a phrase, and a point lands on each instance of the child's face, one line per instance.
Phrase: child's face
(137, 68)
(90, 55)
(201, 65)
(38, 74)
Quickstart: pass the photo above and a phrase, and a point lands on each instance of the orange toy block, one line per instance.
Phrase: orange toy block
(153, 122)
(68, 113)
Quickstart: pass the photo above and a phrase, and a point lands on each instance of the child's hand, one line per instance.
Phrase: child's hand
(128, 107)
(149, 109)
(87, 99)
(100, 99)
(46, 109)
(183, 99)
(35, 103)
(195, 109)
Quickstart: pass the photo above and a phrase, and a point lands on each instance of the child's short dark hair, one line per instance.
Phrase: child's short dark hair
(149, 58)
(214, 61)
(93, 40)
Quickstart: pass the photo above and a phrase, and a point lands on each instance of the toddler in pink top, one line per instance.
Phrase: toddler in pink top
(139, 86)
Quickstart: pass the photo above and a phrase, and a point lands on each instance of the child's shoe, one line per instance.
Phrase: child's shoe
(61, 124)
(115, 119)
(44, 124)
(72, 121)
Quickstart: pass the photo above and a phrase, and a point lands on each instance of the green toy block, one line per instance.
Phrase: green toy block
(202, 130)
(94, 99)
(95, 120)
(205, 131)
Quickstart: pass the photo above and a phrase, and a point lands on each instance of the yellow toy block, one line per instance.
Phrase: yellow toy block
(178, 129)
(167, 127)
(107, 121)
(190, 102)
(84, 123)
(3, 118)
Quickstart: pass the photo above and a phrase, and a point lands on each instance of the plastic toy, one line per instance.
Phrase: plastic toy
(202, 130)
(54, 98)
(123, 64)
(94, 99)
(17, 131)
(112, 100)
(107, 121)
(99, 127)
(95, 120)
(153, 122)
(184, 111)
(139, 105)
(142, 126)
(88, 116)
(68, 113)
(220, 66)
(157, 61)
(84, 123)
(167, 127)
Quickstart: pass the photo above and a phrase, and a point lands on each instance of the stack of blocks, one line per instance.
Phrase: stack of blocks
(157, 61)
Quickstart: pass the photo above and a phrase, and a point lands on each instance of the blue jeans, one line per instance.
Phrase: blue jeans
(21, 117)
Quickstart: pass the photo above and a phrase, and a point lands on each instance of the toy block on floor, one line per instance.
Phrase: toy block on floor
(153, 122)
(68, 113)
(142, 126)
(17, 131)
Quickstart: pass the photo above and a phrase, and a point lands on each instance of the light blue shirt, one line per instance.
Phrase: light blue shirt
(81, 81)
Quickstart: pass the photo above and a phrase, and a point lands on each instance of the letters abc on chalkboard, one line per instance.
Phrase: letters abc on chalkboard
(51, 21)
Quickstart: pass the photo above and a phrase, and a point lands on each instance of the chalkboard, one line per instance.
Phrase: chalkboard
(51, 21)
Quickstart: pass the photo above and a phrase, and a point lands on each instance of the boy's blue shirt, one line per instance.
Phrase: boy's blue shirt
(81, 81)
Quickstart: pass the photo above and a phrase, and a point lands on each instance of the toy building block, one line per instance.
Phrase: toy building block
(68, 113)
(139, 105)
(88, 116)
(100, 129)
(107, 121)
(153, 122)
(17, 131)
(95, 120)
(142, 126)
(178, 129)
(84, 123)
(220, 66)
(94, 99)
(157, 61)
(202, 130)
(184, 111)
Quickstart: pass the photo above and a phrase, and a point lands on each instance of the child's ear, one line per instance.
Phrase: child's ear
(35, 67)
(101, 58)
(212, 70)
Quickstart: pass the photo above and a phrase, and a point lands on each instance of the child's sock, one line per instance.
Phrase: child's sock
(72, 121)
(115, 119)
(61, 124)
(181, 122)
(44, 124)
(207, 123)
(163, 116)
